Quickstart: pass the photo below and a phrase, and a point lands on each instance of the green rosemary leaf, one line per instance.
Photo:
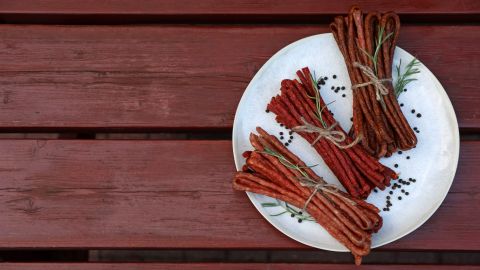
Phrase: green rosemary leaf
(270, 204)
(405, 78)
(279, 214)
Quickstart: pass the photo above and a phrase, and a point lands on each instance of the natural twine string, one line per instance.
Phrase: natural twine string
(377, 83)
(335, 136)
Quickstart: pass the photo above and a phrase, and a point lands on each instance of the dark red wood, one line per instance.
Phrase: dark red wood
(171, 194)
(122, 11)
(218, 266)
(157, 77)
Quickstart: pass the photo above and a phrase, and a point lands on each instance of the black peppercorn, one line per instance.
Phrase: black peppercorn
(413, 111)
(375, 190)
(384, 209)
(281, 133)
(408, 157)
(281, 137)
(334, 76)
(405, 90)
(267, 111)
(401, 104)
(290, 132)
(333, 87)
(291, 137)
(344, 95)
(388, 197)
(400, 198)
(289, 141)
(406, 193)
(399, 152)
(396, 165)
(391, 192)
(299, 220)
(286, 144)
(343, 87)
(419, 115)
(325, 78)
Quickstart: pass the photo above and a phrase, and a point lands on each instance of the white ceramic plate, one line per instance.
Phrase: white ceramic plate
(432, 163)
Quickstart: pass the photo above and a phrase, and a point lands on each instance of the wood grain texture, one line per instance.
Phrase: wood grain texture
(121, 11)
(171, 194)
(174, 77)
(215, 266)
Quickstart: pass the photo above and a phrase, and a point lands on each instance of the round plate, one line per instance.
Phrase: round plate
(425, 104)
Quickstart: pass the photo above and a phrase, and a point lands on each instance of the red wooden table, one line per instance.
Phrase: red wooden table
(116, 119)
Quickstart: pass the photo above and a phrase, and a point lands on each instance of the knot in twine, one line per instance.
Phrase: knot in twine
(321, 186)
(377, 83)
(308, 182)
(335, 136)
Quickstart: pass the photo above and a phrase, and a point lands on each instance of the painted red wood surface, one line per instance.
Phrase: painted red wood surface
(218, 266)
(171, 194)
(234, 7)
(149, 77)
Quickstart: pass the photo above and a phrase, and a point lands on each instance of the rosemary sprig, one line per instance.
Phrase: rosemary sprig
(288, 209)
(287, 162)
(405, 78)
(320, 109)
(378, 44)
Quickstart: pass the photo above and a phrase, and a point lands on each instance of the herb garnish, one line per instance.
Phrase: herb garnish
(405, 78)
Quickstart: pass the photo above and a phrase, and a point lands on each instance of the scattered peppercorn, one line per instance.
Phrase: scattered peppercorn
(299, 220)
(286, 144)
(343, 87)
(351, 119)
(391, 192)
(300, 213)
(344, 95)
(384, 209)
(290, 132)
(281, 133)
(408, 183)
(292, 215)
(413, 111)
(267, 111)
(403, 190)
(336, 91)
(400, 198)
(333, 87)
(375, 190)
(400, 152)
(289, 141)
(388, 197)
(406, 193)
(291, 137)
(401, 104)
(414, 128)
(419, 115)
(408, 157)
(281, 137)
(334, 76)
(338, 88)
(396, 165)
(405, 90)
(281, 125)
(325, 78)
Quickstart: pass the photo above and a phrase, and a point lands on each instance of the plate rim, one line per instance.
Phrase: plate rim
(456, 152)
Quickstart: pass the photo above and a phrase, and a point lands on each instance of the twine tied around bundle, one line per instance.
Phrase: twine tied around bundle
(335, 136)
(320, 186)
(377, 83)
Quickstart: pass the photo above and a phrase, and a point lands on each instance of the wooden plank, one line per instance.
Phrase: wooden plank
(215, 266)
(171, 194)
(126, 11)
(149, 77)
